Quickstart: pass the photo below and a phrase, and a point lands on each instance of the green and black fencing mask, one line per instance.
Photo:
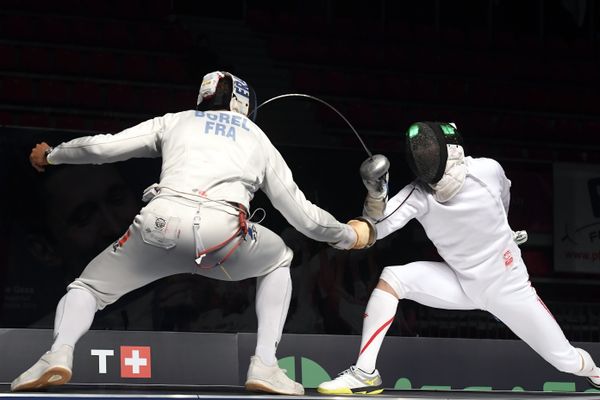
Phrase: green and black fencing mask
(427, 149)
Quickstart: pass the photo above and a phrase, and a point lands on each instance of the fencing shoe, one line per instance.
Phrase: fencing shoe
(353, 380)
(53, 368)
(594, 381)
(262, 378)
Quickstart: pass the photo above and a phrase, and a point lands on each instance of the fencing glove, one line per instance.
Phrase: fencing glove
(375, 177)
(365, 231)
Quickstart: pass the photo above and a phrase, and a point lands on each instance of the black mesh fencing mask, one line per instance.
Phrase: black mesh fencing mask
(427, 151)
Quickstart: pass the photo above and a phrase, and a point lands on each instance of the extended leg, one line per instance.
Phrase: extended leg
(429, 283)
(527, 316)
(273, 296)
(114, 272)
(74, 316)
(265, 256)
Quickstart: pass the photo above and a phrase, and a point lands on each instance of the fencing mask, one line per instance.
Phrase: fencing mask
(436, 157)
(222, 90)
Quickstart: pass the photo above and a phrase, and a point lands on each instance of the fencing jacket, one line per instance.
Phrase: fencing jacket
(471, 230)
(218, 154)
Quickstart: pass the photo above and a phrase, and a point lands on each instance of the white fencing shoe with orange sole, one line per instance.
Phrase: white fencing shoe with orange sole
(264, 378)
(52, 369)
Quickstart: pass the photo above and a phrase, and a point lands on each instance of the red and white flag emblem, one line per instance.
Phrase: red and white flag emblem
(508, 258)
(136, 362)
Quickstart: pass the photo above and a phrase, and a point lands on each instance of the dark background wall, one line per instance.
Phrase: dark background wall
(519, 78)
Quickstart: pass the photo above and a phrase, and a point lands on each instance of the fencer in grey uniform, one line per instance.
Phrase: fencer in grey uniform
(214, 159)
(462, 204)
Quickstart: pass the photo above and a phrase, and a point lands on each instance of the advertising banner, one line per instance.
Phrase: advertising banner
(178, 358)
(130, 357)
(577, 218)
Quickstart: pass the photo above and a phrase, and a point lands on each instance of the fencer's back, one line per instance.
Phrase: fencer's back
(471, 231)
(217, 154)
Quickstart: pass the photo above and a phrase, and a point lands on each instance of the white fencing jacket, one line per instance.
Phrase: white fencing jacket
(471, 230)
(218, 154)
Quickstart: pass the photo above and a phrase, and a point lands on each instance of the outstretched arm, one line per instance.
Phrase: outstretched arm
(311, 220)
(142, 140)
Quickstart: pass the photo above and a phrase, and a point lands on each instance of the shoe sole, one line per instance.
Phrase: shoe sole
(53, 376)
(593, 384)
(349, 391)
(260, 386)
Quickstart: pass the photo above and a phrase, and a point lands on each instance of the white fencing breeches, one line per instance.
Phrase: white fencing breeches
(511, 299)
(161, 242)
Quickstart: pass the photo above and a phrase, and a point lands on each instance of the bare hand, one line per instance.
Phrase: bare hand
(38, 156)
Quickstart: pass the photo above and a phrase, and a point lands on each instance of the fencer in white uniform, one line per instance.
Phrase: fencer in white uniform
(213, 161)
(462, 204)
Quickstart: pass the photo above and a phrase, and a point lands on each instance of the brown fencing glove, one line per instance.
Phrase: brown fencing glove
(366, 232)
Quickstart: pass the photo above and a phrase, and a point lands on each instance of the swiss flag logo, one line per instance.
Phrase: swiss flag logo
(136, 362)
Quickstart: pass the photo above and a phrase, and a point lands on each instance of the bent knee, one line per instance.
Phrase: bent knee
(102, 299)
(390, 281)
(386, 287)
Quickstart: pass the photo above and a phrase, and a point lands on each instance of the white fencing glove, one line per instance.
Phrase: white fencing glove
(375, 177)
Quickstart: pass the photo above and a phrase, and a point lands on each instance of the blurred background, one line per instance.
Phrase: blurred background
(520, 79)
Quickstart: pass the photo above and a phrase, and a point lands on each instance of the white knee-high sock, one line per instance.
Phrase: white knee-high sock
(380, 312)
(273, 294)
(74, 315)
